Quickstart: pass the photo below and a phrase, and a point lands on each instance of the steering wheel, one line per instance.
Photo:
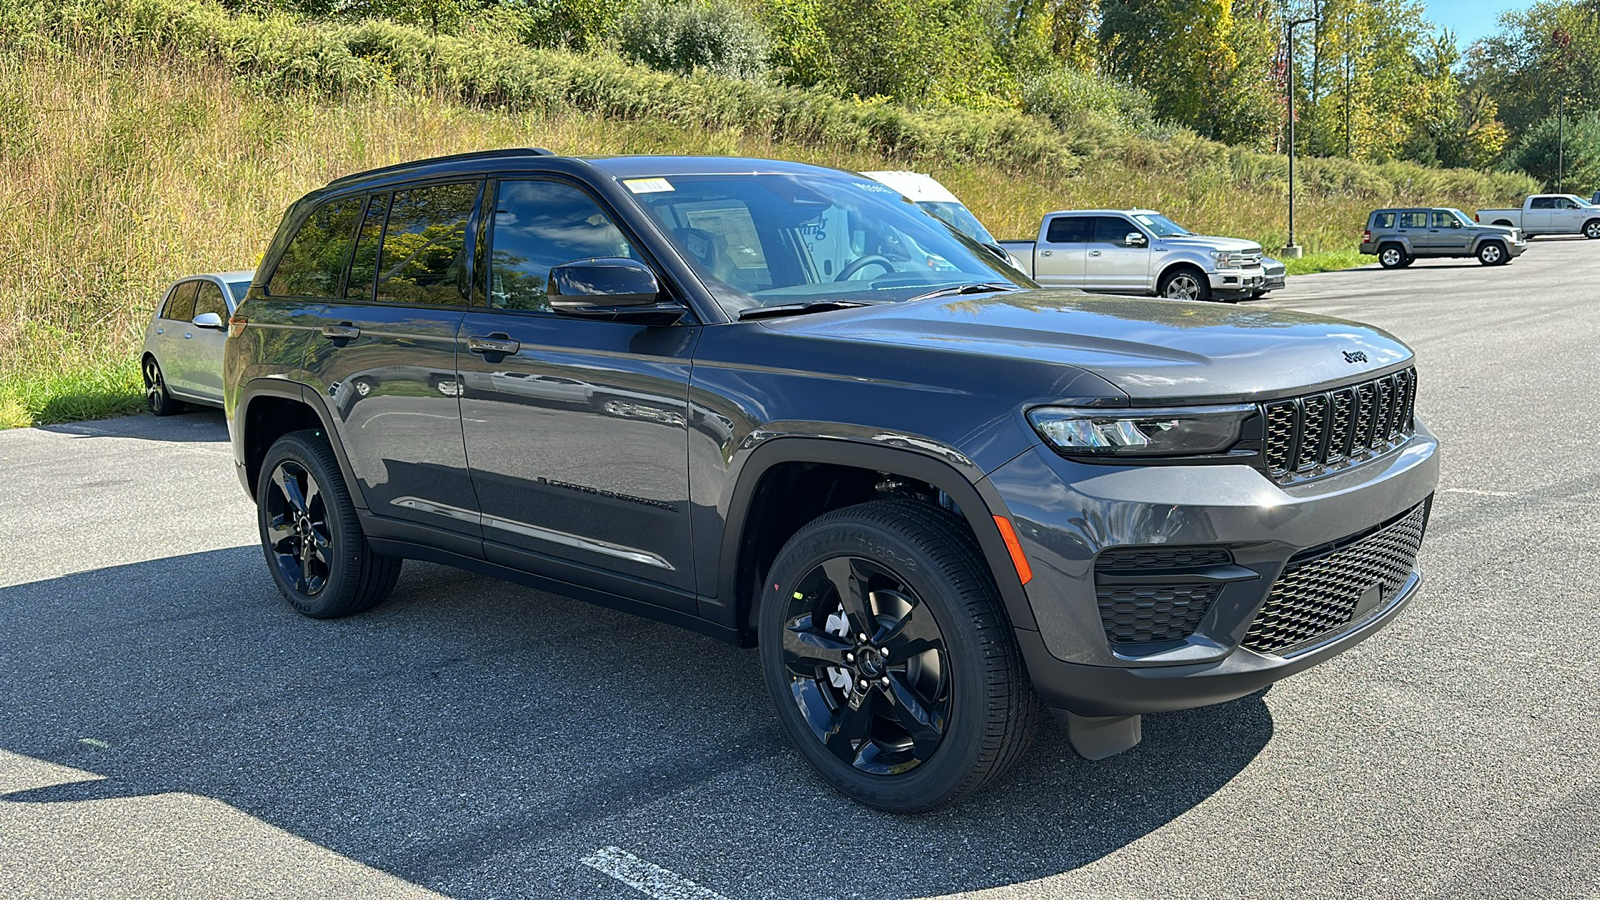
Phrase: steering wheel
(862, 263)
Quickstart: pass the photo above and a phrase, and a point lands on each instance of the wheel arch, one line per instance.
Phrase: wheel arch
(270, 408)
(1172, 267)
(1504, 223)
(754, 531)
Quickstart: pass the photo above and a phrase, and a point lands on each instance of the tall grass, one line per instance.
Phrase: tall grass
(141, 140)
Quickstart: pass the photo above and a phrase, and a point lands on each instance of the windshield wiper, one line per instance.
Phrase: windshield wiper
(792, 309)
(972, 287)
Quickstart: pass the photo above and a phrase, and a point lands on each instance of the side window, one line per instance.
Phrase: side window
(1112, 230)
(313, 263)
(539, 225)
(1383, 220)
(210, 301)
(1414, 218)
(364, 264)
(424, 256)
(1444, 220)
(1543, 203)
(1565, 203)
(180, 306)
(1069, 230)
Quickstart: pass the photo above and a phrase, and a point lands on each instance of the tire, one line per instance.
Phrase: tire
(1184, 283)
(1591, 229)
(156, 397)
(1393, 256)
(314, 546)
(950, 665)
(1493, 253)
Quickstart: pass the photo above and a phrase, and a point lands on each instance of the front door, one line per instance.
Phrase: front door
(1115, 263)
(576, 430)
(385, 356)
(1058, 259)
(199, 361)
(1447, 236)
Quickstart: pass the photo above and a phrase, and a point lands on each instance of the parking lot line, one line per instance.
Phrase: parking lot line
(646, 877)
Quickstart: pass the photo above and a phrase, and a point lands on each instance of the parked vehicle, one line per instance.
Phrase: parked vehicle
(938, 201)
(1547, 214)
(934, 495)
(182, 357)
(1138, 251)
(1399, 236)
(1274, 275)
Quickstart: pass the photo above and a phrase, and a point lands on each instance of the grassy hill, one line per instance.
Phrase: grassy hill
(141, 140)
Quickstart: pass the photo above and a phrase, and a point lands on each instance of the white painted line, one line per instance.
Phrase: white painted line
(1478, 493)
(645, 877)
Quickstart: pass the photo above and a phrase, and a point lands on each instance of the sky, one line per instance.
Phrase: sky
(1471, 19)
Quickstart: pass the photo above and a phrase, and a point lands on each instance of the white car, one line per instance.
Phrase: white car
(937, 201)
(182, 357)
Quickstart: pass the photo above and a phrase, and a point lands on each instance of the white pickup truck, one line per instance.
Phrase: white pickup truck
(1547, 214)
(1140, 251)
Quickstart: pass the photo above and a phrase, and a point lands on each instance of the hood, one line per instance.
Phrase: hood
(1207, 242)
(1156, 351)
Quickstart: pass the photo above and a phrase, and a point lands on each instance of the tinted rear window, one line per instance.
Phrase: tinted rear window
(313, 263)
(180, 305)
(1069, 230)
(1383, 219)
(424, 258)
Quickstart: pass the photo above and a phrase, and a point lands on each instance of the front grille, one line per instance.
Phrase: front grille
(1305, 435)
(1319, 595)
(1162, 558)
(1138, 614)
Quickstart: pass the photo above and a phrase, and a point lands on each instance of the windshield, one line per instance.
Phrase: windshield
(1461, 217)
(1161, 225)
(769, 240)
(960, 218)
(238, 289)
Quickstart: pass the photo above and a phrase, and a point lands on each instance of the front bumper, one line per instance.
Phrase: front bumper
(1236, 282)
(1067, 514)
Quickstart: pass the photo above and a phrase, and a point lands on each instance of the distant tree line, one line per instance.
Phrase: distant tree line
(1375, 80)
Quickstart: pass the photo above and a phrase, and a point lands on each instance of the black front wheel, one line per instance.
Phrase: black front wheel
(889, 656)
(156, 397)
(315, 548)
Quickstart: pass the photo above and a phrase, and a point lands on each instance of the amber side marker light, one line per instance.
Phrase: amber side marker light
(1007, 534)
(236, 324)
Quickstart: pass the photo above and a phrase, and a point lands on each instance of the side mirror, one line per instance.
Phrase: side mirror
(1134, 239)
(208, 320)
(1455, 223)
(610, 288)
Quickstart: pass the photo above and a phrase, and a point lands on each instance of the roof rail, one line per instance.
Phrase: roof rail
(454, 157)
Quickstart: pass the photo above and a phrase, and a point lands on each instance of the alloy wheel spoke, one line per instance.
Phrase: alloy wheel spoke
(925, 726)
(809, 651)
(319, 545)
(279, 530)
(290, 487)
(915, 627)
(312, 492)
(851, 731)
(851, 584)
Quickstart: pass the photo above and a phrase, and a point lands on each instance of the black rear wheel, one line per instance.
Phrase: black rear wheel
(156, 397)
(315, 548)
(890, 659)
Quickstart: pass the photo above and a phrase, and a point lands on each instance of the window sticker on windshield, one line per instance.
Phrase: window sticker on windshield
(647, 185)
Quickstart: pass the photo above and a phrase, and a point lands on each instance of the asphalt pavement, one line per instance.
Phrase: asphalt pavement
(169, 727)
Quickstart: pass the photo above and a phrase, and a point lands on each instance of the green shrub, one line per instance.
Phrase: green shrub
(687, 36)
(1073, 99)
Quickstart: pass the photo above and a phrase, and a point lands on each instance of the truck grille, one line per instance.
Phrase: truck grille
(1318, 595)
(1305, 435)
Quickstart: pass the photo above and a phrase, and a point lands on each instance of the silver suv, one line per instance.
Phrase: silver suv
(1398, 236)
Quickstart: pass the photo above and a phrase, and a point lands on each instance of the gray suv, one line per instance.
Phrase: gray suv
(1398, 236)
(781, 405)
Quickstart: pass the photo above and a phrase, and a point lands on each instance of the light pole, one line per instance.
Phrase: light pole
(1561, 145)
(1292, 250)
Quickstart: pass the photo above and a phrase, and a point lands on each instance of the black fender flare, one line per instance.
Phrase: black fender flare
(978, 501)
(257, 388)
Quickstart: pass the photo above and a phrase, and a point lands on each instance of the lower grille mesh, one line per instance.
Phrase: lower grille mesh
(1137, 614)
(1317, 596)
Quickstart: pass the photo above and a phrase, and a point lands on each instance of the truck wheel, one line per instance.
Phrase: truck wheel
(1185, 283)
(1393, 256)
(1493, 253)
(890, 658)
(315, 548)
(1591, 229)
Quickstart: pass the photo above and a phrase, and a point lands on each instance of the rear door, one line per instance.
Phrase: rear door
(1113, 263)
(1059, 255)
(170, 327)
(577, 429)
(1536, 218)
(1413, 224)
(385, 356)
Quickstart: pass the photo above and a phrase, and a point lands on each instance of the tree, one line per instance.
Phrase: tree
(1549, 50)
(1537, 152)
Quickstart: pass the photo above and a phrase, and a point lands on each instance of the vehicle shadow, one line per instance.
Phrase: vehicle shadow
(478, 738)
(195, 423)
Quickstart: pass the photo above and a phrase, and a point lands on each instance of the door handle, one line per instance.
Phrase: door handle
(1094, 252)
(499, 342)
(1045, 252)
(344, 331)
(187, 335)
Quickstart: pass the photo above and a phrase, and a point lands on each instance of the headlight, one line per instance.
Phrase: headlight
(1186, 431)
(1228, 259)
